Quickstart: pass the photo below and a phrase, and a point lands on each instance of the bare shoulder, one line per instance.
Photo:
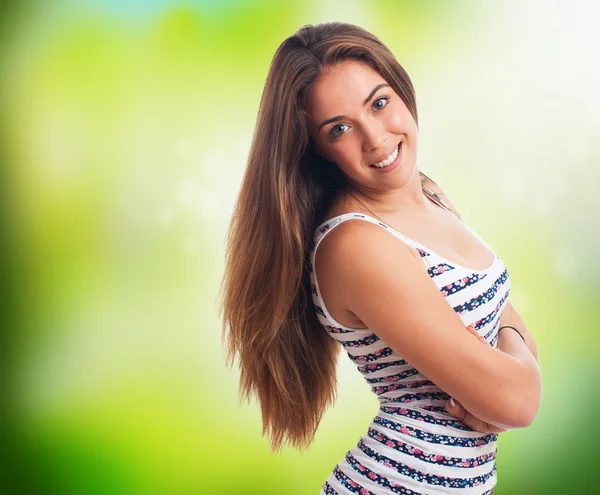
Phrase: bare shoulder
(336, 252)
(383, 281)
(380, 281)
(331, 263)
(346, 233)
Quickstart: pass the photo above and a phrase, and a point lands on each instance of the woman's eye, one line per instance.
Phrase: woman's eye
(379, 103)
(383, 100)
(334, 132)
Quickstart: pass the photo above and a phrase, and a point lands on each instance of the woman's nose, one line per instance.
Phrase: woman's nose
(374, 138)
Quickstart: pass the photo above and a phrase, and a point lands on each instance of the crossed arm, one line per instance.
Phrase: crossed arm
(509, 317)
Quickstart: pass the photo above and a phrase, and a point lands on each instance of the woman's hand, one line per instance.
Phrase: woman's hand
(464, 416)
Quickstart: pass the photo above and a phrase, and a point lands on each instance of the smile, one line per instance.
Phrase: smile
(389, 160)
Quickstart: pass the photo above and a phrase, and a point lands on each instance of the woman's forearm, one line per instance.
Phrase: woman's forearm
(527, 403)
(525, 394)
(521, 392)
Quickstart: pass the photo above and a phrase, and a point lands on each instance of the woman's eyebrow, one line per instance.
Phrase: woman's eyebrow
(367, 99)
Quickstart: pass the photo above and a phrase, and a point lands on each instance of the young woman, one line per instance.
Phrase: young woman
(338, 241)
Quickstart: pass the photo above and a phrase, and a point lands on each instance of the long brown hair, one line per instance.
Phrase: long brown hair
(285, 356)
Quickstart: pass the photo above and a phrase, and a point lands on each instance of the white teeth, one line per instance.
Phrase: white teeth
(389, 160)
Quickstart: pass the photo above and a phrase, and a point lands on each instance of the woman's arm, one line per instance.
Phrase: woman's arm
(505, 344)
(384, 284)
(459, 412)
(510, 343)
(509, 317)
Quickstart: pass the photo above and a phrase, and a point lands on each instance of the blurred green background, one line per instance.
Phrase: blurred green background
(125, 128)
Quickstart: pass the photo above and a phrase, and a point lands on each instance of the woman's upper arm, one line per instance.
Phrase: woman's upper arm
(388, 288)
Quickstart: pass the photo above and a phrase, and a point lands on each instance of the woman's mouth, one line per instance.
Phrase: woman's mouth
(391, 161)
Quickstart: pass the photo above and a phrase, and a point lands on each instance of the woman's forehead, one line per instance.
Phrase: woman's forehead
(342, 89)
(346, 76)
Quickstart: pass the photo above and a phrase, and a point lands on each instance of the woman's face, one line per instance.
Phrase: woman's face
(357, 119)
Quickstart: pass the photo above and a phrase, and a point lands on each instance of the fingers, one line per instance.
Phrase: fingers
(471, 329)
(456, 409)
(464, 416)
(496, 429)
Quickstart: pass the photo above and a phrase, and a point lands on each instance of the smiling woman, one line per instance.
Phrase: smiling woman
(353, 247)
(377, 133)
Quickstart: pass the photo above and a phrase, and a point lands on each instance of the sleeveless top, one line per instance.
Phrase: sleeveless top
(412, 445)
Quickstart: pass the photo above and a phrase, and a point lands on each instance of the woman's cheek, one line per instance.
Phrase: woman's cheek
(346, 154)
(397, 122)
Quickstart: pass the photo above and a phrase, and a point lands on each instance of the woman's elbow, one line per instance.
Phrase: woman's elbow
(525, 405)
(525, 416)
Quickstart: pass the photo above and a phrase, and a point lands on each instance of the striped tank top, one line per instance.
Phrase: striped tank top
(412, 445)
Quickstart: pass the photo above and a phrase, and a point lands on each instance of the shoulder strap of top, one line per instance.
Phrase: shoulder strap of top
(326, 227)
(435, 198)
